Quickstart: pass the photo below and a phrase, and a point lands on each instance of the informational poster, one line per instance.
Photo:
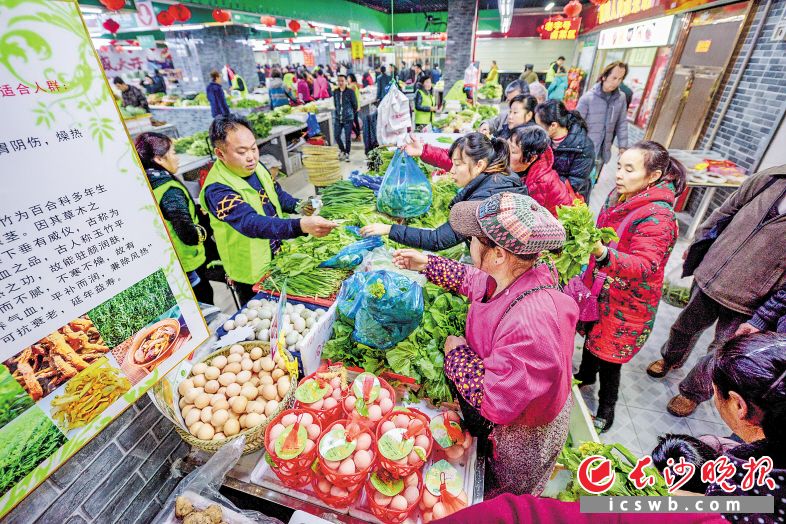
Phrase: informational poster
(94, 305)
(650, 95)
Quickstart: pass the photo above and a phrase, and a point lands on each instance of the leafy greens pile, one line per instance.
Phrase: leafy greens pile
(623, 462)
(582, 235)
(195, 144)
(420, 355)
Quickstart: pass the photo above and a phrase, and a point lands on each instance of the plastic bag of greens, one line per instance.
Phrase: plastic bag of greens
(352, 255)
(384, 307)
(381, 258)
(405, 191)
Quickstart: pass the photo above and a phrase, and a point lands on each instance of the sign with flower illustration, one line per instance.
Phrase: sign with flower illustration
(94, 305)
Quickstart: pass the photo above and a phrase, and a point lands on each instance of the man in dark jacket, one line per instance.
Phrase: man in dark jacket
(771, 316)
(744, 265)
(346, 104)
(216, 96)
(132, 96)
(159, 85)
(383, 80)
(605, 109)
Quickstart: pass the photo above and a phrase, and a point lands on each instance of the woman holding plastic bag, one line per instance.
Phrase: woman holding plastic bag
(512, 372)
(480, 168)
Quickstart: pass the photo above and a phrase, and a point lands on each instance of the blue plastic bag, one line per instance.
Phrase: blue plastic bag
(351, 256)
(385, 307)
(313, 128)
(405, 191)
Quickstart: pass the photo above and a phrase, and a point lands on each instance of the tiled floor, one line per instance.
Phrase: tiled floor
(641, 411)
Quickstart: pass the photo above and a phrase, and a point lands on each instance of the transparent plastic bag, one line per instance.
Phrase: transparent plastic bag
(352, 255)
(405, 191)
(200, 489)
(385, 307)
(382, 259)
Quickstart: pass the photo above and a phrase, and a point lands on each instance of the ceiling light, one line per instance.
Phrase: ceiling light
(416, 33)
(549, 6)
(90, 9)
(272, 28)
(483, 32)
(184, 27)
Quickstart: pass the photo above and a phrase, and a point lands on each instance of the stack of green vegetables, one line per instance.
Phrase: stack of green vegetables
(244, 103)
(297, 263)
(419, 356)
(581, 235)
(199, 100)
(486, 111)
(260, 123)
(623, 462)
(195, 144)
(128, 112)
(343, 200)
(490, 91)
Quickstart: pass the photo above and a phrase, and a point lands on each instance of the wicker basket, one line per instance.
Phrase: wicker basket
(322, 164)
(323, 151)
(255, 437)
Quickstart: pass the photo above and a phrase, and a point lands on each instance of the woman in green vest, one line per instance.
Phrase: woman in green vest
(425, 104)
(157, 153)
(239, 85)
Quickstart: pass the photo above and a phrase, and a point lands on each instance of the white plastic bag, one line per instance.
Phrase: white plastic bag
(393, 118)
(201, 487)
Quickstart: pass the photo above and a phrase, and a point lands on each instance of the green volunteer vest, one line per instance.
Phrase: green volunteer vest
(191, 257)
(425, 117)
(244, 258)
(244, 91)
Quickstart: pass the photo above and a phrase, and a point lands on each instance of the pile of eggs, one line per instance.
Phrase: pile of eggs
(294, 471)
(344, 473)
(377, 409)
(258, 314)
(330, 400)
(232, 393)
(432, 507)
(288, 420)
(397, 507)
(416, 425)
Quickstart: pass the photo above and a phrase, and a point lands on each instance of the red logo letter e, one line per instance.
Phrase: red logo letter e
(595, 474)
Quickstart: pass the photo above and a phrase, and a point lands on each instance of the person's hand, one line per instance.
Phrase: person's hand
(452, 343)
(306, 207)
(598, 249)
(485, 128)
(414, 147)
(317, 226)
(746, 329)
(411, 259)
(375, 230)
(433, 109)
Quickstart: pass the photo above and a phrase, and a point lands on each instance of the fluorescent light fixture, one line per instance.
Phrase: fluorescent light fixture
(308, 39)
(272, 29)
(91, 9)
(184, 27)
(321, 24)
(549, 6)
(416, 33)
(484, 32)
(131, 47)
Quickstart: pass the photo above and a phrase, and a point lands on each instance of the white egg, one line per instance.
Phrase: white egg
(264, 335)
(292, 338)
(266, 313)
(299, 324)
(229, 325)
(254, 303)
(241, 320)
(252, 314)
(310, 322)
(264, 323)
(319, 312)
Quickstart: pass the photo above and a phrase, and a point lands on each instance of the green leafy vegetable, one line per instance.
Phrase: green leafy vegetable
(582, 235)
(14, 400)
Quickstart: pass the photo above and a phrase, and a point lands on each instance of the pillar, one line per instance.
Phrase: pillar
(199, 52)
(462, 22)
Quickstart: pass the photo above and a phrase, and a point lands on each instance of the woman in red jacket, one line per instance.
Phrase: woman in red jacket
(641, 210)
(531, 158)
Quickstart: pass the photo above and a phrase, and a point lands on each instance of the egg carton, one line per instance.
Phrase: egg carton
(263, 476)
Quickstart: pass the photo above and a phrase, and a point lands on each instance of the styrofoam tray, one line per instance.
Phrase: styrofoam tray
(262, 475)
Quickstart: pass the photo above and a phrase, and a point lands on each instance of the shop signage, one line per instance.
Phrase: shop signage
(95, 307)
(357, 50)
(616, 9)
(554, 28)
(308, 58)
(649, 33)
(703, 46)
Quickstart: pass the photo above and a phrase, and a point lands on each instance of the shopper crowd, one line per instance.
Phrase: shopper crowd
(512, 368)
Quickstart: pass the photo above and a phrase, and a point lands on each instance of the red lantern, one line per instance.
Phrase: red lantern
(269, 21)
(113, 5)
(221, 16)
(572, 9)
(294, 25)
(180, 12)
(111, 26)
(165, 18)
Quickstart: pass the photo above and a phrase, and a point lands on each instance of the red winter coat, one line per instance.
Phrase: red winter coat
(437, 157)
(545, 185)
(630, 296)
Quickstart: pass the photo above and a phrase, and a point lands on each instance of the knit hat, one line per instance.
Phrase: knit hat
(514, 222)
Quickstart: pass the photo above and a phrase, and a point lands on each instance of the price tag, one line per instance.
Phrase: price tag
(389, 488)
(366, 381)
(446, 435)
(311, 391)
(297, 448)
(453, 480)
(392, 445)
(334, 445)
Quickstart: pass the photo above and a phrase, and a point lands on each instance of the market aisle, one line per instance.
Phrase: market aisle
(641, 414)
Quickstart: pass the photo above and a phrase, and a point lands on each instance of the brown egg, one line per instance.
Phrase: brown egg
(202, 400)
(231, 427)
(249, 391)
(270, 407)
(206, 415)
(212, 373)
(219, 362)
(212, 386)
(226, 379)
(232, 367)
(238, 404)
(269, 392)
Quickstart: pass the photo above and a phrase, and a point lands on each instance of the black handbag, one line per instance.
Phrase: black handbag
(699, 248)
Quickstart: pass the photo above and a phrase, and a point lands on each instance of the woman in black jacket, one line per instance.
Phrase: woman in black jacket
(481, 169)
(574, 152)
(157, 153)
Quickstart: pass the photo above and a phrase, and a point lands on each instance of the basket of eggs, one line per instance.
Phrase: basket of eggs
(235, 391)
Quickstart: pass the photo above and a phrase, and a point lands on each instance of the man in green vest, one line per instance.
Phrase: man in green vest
(425, 104)
(246, 206)
(555, 68)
